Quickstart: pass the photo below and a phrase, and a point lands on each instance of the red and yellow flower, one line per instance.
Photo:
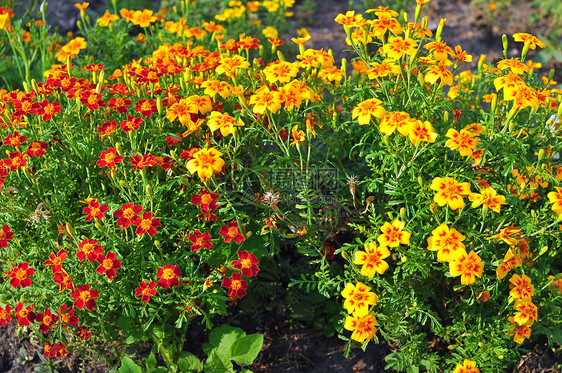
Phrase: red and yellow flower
(371, 259)
(168, 276)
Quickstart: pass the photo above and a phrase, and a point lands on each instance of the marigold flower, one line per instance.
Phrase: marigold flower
(298, 135)
(396, 47)
(231, 65)
(509, 235)
(439, 49)
(108, 265)
(205, 162)
(393, 234)
(145, 291)
(281, 71)
(84, 297)
(532, 40)
(439, 73)
(107, 129)
(520, 332)
(247, 264)
(367, 109)
(527, 312)
(5, 315)
(467, 266)
(127, 214)
(143, 18)
(231, 231)
(521, 287)
(468, 366)
(362, 324)
(132, 123)
(16, 160)
(464, 141)
(25, 316)
(64, 281)
(358, 297)
(55, 260)
(89, 249)
(372, 259)
(265, 99)
(223, 122)
(83, 333)
(554, 197)
(206, 200)
(421, 131)
(235, 285)
(487, 197)
(449, 191)
(146, 224)
(200, 240)
(109, 158)
(396, 120)
(447, 242)
(67, 316)
(107, 18)
(20, 275)
(94, 210)
(6, 234)
(168, 276)
(47, 320)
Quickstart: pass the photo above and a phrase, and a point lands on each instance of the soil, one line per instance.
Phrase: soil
(306, 349)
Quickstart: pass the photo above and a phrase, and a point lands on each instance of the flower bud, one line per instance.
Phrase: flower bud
(148, 190)
(481, 61)
(440, 29)
(123, 183)
(420, 180)
(504, 43)
(540, 156)
(157, 243)
(390, 216)
(433, 208)
(280, 56)
(98, 225)
(69, 229)
(159, 105)
(402, 213)
(345, 255)
(118, 148)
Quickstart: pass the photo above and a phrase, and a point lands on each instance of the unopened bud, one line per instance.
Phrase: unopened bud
(280, 56)
(118, 148)
(402, 213)
(420, 180)
(440, 29)
(494, 104)
(390, 216)
(504, 43)
(148, 190)
(543, 250)
(345, 255)
(481, 61)
(525, 51)
(159, 105)
(123, 183)
(69, 229)
(433, 208)
(98, 225)
(157, 244)
(344, 66)
(446, 116)
(541, 154)
(26, 86)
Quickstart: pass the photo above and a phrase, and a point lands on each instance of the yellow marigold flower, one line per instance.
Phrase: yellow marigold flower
(182, 111)
(522, 287)
(464, 141)
(372, 259)
(107, 18)
(510, 261)
(331, 74)
(439, 72)
(71, 49)
(461, 55)
(214, 87)
(223, 122)
(349, 19)
(265, 99)
(467, 266)
(366, 109)
(383, 69)
(468, 366)
(281, 71)
(313, 58)
(509, 235)
(143, 18)
(449, 191)
(487, 197)
(385, 22)
(556, 199)
(298, 135)
(393, 234)
(532, 40)
(270, 32)
(527, 312)
(231, 65)
(396, 120)
(421, 131)
(205, 162)
(358, 297)
(447, 242)
(5, 21)
(514, 65)
(397, 47)
(440, 50)
(520, 332)
(362, 324)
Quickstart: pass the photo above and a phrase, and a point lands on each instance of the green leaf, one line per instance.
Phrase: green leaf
(151, 361)
(188, 362)
(129, 366)
(244, 350)
(216, 364)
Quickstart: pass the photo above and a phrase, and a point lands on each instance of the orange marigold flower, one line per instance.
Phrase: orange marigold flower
(83, 6)
(84, 297)
(231, 231)
(205, 162)
(396, 120)
(527, 312)
(145, 291)
(520, 332)
(67, 316)
(358, 297)
(265, 99)
(468, 366)
(449, 191)
(439, 49)
(372, 259)
(396, 47)
(362, 324)
(36, 148)
(467, 266)
(223, 122)
(5, 315)
(421, 131)
(298, 135)
(131, 123)
(532, 40)
(509, 235)
(143, 18)
(439, 73)
(247, 264)
(510, 261)
(366, 109)
(489, 198)
(447, 242)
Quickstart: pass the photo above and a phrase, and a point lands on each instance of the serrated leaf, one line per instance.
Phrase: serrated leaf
(216, 364)
(188, 362)
(245, 350)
